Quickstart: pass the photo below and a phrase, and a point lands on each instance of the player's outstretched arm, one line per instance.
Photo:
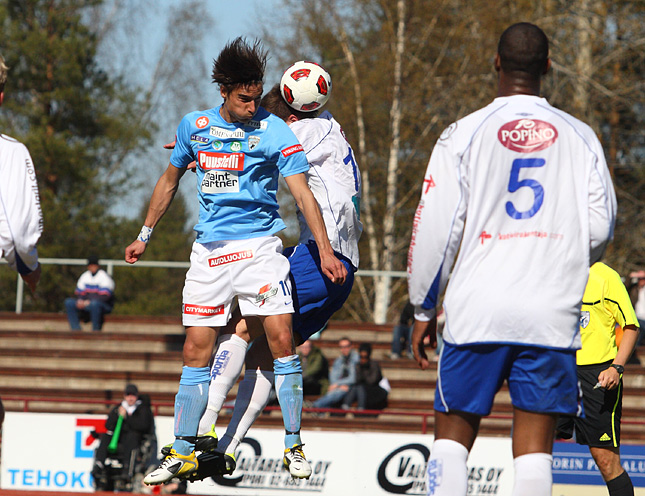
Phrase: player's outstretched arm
(162, 197)
(32, 278)
(420, 330)
(330, 265)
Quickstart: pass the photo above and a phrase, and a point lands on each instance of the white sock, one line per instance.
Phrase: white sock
(252, 396)
(447, 470)
(533, 475)
(227, 366)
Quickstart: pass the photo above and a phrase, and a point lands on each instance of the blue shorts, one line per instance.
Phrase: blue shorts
(315, 297)
(540, 380)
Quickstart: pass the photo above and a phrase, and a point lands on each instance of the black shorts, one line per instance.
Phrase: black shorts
(600, 426)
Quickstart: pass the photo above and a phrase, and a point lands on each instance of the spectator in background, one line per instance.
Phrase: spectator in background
(315, 369)
(94, 297)
(402, 332)
(341, 376)
(367, 391)
(600, 366)
(137, 423)
(637, 295)
(21, 220)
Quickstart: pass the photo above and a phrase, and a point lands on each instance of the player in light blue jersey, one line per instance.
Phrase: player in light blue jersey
(239, 150)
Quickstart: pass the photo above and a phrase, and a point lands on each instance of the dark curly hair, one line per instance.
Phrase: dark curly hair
(240, 64)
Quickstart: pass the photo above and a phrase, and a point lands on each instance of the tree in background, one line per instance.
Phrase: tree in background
(405, 69)
(88, 130)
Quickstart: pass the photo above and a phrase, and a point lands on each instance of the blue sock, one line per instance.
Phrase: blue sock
(190, 403)
(288, 385)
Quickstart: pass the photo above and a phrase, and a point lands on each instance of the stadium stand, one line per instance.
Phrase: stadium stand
(85, 372)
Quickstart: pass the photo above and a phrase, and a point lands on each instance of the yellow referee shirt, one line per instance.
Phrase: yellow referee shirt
(604, 304)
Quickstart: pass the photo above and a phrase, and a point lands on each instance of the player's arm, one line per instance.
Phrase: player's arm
(420, 330)
(162, 197)
(330, 265)
(602, 207)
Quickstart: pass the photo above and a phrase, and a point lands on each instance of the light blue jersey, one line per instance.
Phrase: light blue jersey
(237, 171)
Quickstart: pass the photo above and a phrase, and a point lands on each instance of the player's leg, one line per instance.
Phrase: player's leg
(227, 364)
(190, 403)
(543, 385)
(608, 461)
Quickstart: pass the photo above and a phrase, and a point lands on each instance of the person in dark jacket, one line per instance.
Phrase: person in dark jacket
(137, 422)
(367, 391)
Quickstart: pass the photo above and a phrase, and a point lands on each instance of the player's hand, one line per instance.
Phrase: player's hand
(333, 268)
(134, 251)
(609, 378)
(420, 330)
(31, 279)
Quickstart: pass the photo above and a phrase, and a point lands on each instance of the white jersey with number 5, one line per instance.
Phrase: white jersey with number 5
(521, 192)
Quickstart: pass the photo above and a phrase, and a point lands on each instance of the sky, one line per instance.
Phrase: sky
(232, 18)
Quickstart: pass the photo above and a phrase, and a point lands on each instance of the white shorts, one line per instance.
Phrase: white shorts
(254, 270)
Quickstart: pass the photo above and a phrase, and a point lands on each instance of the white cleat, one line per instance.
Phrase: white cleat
(174, 465)
(295, 462)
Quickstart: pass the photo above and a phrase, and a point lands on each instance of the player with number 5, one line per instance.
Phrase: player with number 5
(516, 205)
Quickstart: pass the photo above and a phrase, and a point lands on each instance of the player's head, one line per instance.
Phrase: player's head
(239, 71)
(277, 105)
(4, 71)
(523, 50)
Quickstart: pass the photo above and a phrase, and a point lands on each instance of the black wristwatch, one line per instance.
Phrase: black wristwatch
(619, 368)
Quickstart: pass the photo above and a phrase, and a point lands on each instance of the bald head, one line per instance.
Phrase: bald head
(523, 48)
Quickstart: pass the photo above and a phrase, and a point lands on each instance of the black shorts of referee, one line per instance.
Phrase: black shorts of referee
(600, 426)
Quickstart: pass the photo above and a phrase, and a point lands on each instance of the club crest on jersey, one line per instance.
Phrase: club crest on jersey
(220, 161)
(291, 150)
(219, 132)
(201, 122)
(198, 139)
(527, 135)
(585, 316)
(265, 293)
(254, 141)
(206, 311)
(231, 257)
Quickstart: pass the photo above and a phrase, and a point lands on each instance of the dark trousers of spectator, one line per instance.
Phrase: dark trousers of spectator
(94, 312)
(366, 397)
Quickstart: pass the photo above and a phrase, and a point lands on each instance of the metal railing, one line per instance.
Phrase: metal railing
(109, 265)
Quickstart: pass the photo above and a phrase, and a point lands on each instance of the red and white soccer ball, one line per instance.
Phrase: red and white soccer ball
(306, 86)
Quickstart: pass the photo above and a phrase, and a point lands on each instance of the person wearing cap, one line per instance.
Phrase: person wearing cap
(93, 297)
(137, 422)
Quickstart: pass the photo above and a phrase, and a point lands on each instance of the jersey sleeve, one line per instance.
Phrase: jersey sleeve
(182, 154)
(291, 157)
(618, 302)
(21, 204)
(602, 205)
(437, 227)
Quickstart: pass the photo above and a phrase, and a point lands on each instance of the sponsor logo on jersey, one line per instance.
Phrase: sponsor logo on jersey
(202, 122)
(218, 145)
(231, 257)
(236, 146)
(222, 133)
(484, 236)
(257, 124)
(219, 362)
(254, 141)
(291, 150)
(198, 139)
(190, 309)
(448, 132)
(220, 182)
(221, 161)
(265, 293)
(527, 135)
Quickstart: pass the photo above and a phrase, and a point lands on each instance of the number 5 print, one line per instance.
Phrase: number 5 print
(514, 184)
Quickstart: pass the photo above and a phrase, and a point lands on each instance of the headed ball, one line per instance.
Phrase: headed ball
(305, 86)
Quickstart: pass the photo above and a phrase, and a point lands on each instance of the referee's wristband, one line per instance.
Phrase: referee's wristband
(145, 233)
(619, 368)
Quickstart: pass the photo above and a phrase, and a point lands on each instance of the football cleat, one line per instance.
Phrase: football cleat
(295, 462)
(206, 442)
(174, 465)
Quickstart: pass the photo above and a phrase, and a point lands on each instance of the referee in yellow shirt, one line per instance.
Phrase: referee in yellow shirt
(601, 362)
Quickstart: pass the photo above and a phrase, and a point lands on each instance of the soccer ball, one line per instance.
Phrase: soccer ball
(305, 86)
